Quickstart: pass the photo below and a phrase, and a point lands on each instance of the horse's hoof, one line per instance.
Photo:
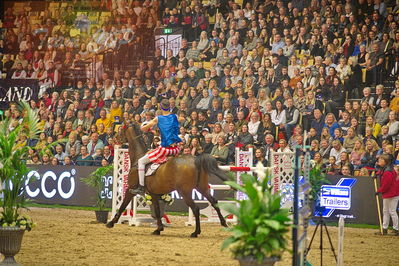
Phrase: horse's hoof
(194, 235)
(110, 225)
(156, 233)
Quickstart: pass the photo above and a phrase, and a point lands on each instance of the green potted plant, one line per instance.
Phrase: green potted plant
(95, 180)
(13, 178)
(260, 235)
(317, 178)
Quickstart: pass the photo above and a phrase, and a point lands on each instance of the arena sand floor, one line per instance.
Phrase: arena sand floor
(71, 237)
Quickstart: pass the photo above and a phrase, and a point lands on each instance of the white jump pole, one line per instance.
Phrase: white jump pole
(340, 259)
(240, 168)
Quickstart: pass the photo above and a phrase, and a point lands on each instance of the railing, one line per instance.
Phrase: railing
(169, 41)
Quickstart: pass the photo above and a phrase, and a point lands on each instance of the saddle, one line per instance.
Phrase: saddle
(151, 168)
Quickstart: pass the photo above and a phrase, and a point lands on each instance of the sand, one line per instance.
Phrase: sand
(72, 237)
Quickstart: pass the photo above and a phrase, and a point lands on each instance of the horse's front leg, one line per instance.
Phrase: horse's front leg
(155, 203)
(126, 201)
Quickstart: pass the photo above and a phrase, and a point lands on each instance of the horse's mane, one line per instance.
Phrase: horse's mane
(139, 135)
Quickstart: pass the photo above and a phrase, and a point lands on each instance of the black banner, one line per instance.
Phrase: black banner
(15, 90)
(363, 209)
(62, 185)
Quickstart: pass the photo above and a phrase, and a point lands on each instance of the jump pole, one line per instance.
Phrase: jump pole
(240, 168)
(378, 202)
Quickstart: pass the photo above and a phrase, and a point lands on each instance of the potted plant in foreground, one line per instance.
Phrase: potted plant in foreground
(95, 180)
(13, 178)
(260, 235)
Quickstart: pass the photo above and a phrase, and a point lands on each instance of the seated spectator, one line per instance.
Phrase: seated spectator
(60, 154)
(220, 151)
(207, 145)
(350, 139)
(336, 151)
(84, 159)
(369, 157)
(94, 144)
(332, 168)
(98, 157)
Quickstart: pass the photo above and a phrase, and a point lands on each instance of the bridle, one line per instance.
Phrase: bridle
(138, 135)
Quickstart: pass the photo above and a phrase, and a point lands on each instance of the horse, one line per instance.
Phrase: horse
(182, 173)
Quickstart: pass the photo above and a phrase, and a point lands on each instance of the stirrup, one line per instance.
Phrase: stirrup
(140, 190)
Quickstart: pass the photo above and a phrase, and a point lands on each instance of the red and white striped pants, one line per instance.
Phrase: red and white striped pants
(160, 154)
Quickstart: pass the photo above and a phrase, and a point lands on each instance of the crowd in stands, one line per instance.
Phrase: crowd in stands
(251, 74)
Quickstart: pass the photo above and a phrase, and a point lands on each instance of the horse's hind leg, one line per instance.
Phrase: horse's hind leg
(126, 201)
(155, 202)
(206, 193)
(196, 211)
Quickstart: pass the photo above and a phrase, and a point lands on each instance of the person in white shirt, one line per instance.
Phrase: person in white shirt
(278, 114)
(283, 146)
(336, 150)
(19, 73)
(253, 125)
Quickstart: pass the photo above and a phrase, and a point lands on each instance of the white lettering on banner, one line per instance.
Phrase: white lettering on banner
(31, 193)
(71, 190)
(46, 193)
(195, 195)
(17, 94)
(58, 188)
(335, 202)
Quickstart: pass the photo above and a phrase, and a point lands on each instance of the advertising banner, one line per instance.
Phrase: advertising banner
(62, 185)
(15, 90)
(352, 197)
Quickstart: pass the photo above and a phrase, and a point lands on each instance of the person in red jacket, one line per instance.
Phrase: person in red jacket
(390, 194)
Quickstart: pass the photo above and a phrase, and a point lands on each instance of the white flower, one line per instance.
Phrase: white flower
(167, 198)
(149, 202)
(148, 197)
(23, 227)
(260, 171)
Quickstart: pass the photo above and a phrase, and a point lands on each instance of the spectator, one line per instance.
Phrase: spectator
(94, 144)
(60, 154)
(84, 159)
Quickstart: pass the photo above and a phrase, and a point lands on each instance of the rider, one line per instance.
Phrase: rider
(168, 125)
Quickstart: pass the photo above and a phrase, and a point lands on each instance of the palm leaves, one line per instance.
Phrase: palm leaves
(262, 224)
(13, 168)
(95, 181)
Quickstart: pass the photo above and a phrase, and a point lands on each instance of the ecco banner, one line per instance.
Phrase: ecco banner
(63, 185)
(15, 90)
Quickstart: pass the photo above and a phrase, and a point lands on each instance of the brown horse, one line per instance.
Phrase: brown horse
(182, 173)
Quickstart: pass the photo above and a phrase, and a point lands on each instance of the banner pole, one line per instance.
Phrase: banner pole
(341, 223)
(378, 201)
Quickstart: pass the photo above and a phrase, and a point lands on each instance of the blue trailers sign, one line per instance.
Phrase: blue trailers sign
(337, 197)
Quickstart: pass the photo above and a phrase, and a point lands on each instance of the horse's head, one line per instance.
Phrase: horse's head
(132, 134)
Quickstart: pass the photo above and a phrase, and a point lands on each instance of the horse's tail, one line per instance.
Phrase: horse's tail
(209, 165)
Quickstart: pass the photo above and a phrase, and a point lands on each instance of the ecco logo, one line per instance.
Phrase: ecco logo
(42, 181)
